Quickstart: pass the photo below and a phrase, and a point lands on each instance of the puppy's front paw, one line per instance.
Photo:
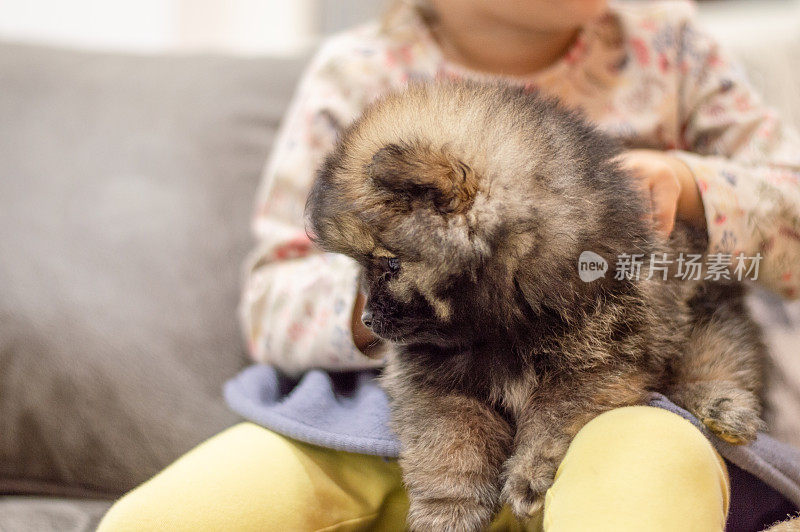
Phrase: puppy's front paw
(734, 418)
(729, 411)
(450, 515)
(525, 496)
(526, 483)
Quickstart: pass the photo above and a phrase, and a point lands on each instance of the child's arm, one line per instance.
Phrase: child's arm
(297, 303)
(746, 163)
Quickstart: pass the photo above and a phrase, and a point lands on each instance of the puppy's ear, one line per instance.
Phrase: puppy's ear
(423, 173)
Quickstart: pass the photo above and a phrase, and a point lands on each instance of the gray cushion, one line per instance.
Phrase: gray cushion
(126, 189)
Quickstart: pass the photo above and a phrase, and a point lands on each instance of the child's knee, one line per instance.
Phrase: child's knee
(249, 478)
(652, 438)
(650, 462)
(222, 482)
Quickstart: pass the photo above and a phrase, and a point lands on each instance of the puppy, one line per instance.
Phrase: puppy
(468, 207)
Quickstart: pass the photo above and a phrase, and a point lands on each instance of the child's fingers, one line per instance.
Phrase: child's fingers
(659, 182)
(664, 198)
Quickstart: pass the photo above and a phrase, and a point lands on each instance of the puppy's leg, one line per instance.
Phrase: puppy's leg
(718, 378)
(453, 448)
(548, 423)
(540, 445)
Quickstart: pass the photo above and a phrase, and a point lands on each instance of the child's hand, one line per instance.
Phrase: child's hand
(669, 185)
(365, 340)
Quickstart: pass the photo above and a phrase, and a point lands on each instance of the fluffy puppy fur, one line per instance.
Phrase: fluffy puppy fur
(468, 206)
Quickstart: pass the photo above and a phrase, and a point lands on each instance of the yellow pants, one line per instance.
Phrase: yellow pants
(632, 469)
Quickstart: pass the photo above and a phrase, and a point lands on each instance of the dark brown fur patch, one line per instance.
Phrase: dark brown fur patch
(417, 172)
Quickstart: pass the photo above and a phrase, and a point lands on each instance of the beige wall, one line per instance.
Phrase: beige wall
(288, 26)
(246, 26)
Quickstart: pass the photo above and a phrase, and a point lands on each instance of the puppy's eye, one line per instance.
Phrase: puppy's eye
(390, 264)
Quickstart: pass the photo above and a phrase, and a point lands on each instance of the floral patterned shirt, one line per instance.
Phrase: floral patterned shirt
(643, 72)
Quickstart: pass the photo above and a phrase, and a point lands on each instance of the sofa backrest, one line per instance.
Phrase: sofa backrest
(126, 190)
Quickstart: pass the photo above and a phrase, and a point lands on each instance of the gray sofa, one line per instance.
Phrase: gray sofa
(126, 188)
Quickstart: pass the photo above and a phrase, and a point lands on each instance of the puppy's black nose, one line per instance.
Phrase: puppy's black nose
(366, 318)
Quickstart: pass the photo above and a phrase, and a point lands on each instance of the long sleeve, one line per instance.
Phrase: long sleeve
(297, 302)
(746, 163)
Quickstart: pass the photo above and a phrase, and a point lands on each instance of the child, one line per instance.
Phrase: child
(701, 145)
